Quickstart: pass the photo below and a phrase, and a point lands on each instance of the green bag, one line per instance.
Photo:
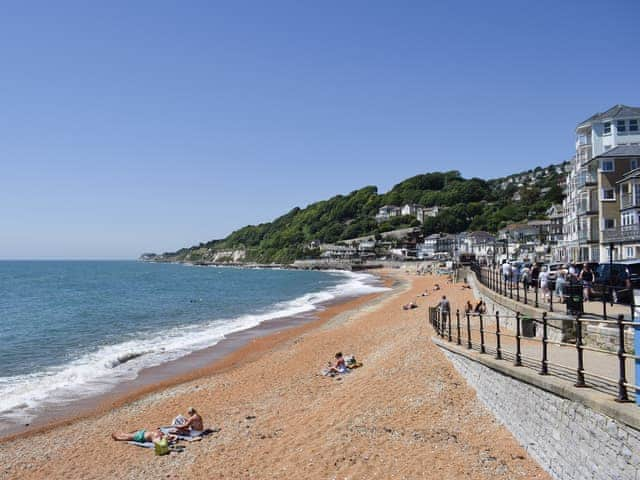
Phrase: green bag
(162, 446)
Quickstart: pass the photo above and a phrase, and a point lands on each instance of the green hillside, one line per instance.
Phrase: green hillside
(466, 204)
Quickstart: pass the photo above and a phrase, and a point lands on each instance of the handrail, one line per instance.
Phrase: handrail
(475, 331)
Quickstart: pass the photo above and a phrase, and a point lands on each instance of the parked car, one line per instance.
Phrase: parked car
(616, 281)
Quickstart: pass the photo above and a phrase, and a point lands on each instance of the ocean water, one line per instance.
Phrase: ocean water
(73, 329)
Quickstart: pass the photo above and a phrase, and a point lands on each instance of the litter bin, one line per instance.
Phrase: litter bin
(573, 294)
(528, 327)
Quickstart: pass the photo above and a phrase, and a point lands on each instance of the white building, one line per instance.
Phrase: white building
(587, 179)
(386, 212)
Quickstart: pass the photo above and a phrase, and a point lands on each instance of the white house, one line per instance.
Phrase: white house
(386, 212)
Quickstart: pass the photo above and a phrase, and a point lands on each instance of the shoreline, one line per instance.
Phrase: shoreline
(406, 412)
(232, 351)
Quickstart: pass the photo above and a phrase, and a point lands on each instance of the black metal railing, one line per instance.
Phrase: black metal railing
(486, 334)
(568, 299)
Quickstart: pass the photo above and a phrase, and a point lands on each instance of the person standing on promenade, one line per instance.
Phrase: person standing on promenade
(506, 271)
(561, 283)
(586, 277)
(535, 273)
(524, 276)
(544, 283)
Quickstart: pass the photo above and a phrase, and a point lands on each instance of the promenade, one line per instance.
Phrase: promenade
(582, 363)
(533, 297)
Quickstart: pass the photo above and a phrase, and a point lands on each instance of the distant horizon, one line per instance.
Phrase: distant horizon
(150, 127)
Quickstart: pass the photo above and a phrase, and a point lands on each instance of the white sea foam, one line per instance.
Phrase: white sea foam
(24, 396)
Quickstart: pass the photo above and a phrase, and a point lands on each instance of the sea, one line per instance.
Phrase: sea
(72, 330)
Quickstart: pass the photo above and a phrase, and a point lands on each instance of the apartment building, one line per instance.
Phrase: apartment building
(591, 202)
(620, 212)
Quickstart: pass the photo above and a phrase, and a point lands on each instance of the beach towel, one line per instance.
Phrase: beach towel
(142, 444)
(194, 435)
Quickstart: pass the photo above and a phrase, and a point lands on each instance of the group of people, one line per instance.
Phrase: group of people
(191, 423)
(479, 308)
(540, 276)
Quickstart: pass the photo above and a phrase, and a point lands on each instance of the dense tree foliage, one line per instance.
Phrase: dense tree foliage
(465, 204)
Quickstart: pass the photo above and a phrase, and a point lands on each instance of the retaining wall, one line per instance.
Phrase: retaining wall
(574, 434)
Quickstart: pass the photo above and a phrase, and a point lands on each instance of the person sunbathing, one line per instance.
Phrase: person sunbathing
(436, 287)
(409, 306)
(142, 436)
(184, 425)
(340, 366)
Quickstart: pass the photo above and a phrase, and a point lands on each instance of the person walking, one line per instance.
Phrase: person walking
(445, 309)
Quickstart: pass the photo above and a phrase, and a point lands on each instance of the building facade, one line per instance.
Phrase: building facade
(591, 182)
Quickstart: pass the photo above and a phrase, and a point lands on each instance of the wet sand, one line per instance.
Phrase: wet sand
(405, 414)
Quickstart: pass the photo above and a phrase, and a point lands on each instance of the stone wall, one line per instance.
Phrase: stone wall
(569, 438)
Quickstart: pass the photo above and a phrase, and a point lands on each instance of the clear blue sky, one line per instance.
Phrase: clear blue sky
(147, 126)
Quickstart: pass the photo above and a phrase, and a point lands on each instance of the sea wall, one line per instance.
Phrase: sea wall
(574, 434)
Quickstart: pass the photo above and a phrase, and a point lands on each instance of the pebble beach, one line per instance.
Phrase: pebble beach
(406, 413)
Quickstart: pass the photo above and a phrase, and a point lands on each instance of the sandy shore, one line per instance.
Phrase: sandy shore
(405, 414)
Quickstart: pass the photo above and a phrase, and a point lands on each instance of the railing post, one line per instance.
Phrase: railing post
(580, 372)
(482, 349)
(500, 283)
(498, 348)
(550, 299)
(525, 290)
(544, 370)
(622, 377)
(518, 289)
(458, 326)
(511, 287)
(604, 306)
(518, 359)
(536, 292)
(468, 331)
(449, 325)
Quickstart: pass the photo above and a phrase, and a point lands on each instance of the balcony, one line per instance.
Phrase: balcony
(585, 236)
(586, 179)
(586, 208)
(625, 233)
(627, 201)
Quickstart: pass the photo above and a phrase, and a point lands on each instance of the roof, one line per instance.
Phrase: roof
(632, 150)
(480, 234)
(617, 111)
(538, 222)
(635, 173)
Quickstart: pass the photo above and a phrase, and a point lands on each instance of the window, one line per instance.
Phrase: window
(608, 194)
(606, 166)
(633, 125)
(634, 163)
(607, 128)
(629, 252)
(609, 223)
(621, 126)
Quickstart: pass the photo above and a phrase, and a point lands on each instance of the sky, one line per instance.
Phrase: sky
(147, 126)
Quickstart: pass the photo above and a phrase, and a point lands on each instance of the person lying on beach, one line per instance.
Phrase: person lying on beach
(183, 425)
(436, 287)
(142, 436)
(425, 293)
(409, 306)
